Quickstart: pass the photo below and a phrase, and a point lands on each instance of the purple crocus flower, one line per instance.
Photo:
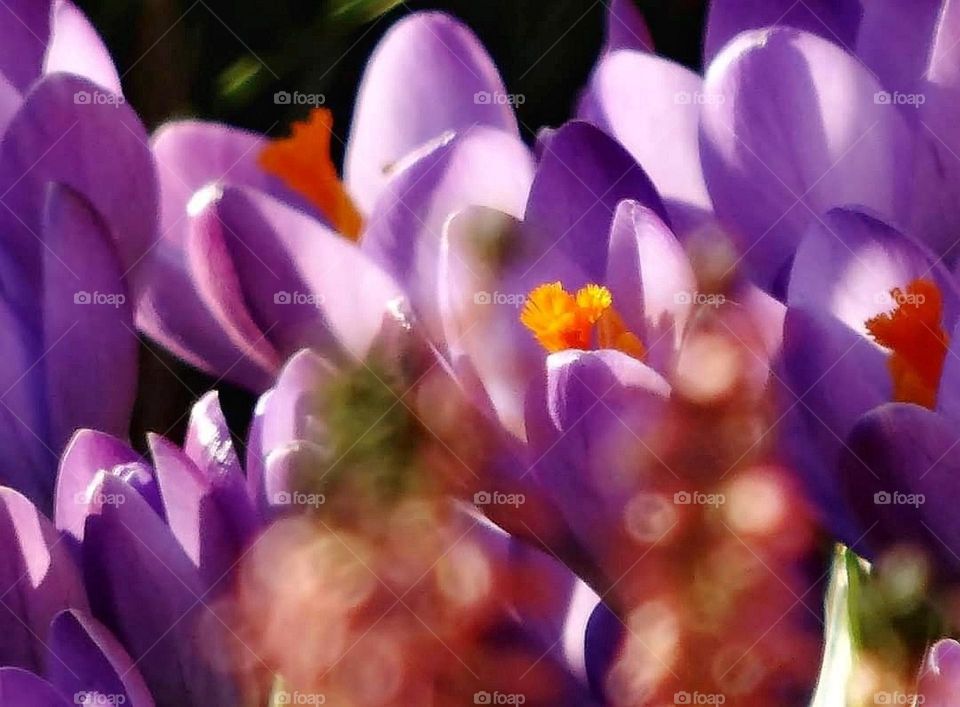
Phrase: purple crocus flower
(835, 104)
(75, 224)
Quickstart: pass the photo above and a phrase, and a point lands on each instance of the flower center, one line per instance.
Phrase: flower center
(560, 320)
(918, 344)
(302, 161)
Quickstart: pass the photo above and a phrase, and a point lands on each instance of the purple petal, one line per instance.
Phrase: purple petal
(835, 20)
(651, 280)
(89, 336)
(149, 594)
(791, 128)
(582, 176)
(902, 481)
(84, 657)
(88, 454)
(427, 59)
(626, 28)
(24, 689)
(940, 674)
(894, 40)
(24, 33)
(481, 167)
(10, 102)
(76, 48)
(38, 579)
(633, 96)
(58, 137)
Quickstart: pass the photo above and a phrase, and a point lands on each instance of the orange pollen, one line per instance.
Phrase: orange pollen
(560, 320)
(302, 161)
(918, 344)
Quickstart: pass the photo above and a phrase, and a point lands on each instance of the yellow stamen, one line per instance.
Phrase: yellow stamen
(303, 162)
(563, 321)
(918, 344)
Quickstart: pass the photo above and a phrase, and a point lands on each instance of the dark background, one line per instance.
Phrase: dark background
(224, 60)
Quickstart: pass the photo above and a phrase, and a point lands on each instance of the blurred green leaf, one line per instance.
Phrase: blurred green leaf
(360, 11)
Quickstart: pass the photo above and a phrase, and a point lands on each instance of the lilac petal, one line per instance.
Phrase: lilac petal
(582, 176)
(24, 33)
(76, 48)
(10, 102)
(427, 59)
(38, 579)
(626, 28)
(651, 280)
(57, 137)
(948, 394)
(832, 376)
(196, 518)
(88, 454)
(894, 40)
(633, 96)
(791, 128)
(286, 414)
(24, 689)
(84, 657)
(586, 426)
(149, 594)
(849, 262)
(902, 481)
(940, 674)
(488, 266)
(835, 20)
(481, 167)
(273, 269)
(88, 323)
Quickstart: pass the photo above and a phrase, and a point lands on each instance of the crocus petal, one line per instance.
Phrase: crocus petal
(902, 481)
(149, 594)
(848, 263)
(634, 96)
(481, 167)
(626, 28)
(837, 21)
(89, 453)
(791, 127)
(10, 102)
(948, 394)
(76, 48)
(651, 280)
(89, 336)
(427, 59)
(84, 657)
(24, 689)
(56, 137)
(940, 674)
(282, 281)
(583, 174)
(38, 579)
(894, 40)
(194, 514)
(23, 39)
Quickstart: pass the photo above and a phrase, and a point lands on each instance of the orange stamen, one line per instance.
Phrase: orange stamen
(562, 321)
(303, 162)
(918, 344)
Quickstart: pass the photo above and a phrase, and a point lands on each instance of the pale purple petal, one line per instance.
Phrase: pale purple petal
(76, 48)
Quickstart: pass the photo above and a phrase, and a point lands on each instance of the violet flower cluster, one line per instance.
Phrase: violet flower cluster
(568, 417)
